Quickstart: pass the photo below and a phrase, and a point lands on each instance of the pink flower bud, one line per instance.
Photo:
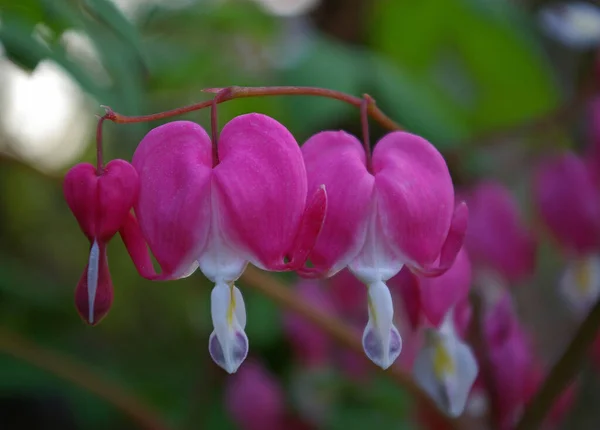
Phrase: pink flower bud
(497, 239)
(101, 204)
(568, 201)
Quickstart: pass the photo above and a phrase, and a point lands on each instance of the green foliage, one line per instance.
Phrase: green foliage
(480, 62)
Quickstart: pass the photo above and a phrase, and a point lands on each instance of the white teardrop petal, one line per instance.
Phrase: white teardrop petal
(92, 279)
(467, 370)
(381, 340)
(228, 344)
(446, 369)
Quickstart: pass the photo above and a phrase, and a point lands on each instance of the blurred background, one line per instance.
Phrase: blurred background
(494, 85)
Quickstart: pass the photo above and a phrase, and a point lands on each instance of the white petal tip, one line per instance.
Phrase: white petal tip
(382, 352)
(92, 279)
(233, 355)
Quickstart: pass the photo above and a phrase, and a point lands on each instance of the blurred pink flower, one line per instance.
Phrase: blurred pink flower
(497, 238)
(254, 399)
(511, 359)
(568, 202)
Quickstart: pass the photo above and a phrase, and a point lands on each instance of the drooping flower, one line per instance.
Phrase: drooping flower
(511, 359)
(568, 202)
(445, 367)
(254, 399)
(101, 202)
(250, 207)
(499, 243)
(401, 212)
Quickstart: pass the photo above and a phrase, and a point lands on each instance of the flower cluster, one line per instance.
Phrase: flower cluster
(253, 195)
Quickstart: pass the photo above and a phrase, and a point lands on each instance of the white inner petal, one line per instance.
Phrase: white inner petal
(446, 369)
(228, 344)
(376, 261)
(220, 261)
(580, 283)
(92, 279)
(381, 340)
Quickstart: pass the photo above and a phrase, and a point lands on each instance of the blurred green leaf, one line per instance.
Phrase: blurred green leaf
(106, 12)
(327, 64)
(264, 320)
(488, 69)
(412, 104)
(93, 413)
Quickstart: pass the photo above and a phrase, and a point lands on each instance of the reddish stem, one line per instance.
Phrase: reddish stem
(214, 123)
(241, 92)
(364, 120)
(214, 130)
(99, 147)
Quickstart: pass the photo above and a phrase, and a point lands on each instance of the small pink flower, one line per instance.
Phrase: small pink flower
(497, 239)
(250, 207)
(568, 202)
(511, 359)
(445, 367)
(254, 399)
(401, 212)
(101, 204)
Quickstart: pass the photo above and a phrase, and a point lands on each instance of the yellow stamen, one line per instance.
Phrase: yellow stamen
(583, 275)
(231, 307)
(443, 364)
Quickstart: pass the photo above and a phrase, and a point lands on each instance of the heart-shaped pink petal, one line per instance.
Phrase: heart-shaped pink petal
(337, 160)
(260, 188)
(415, 196)
(101, 203)
(440, 294)
(174, 162)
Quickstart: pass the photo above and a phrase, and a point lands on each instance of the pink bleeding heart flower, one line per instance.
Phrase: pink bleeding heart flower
(568, 202)
(445, 367)
(101, 203)
(310, 344)
(250, 207)
(511, 360)
(254, 399)
(401, 212)
(497, 238)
